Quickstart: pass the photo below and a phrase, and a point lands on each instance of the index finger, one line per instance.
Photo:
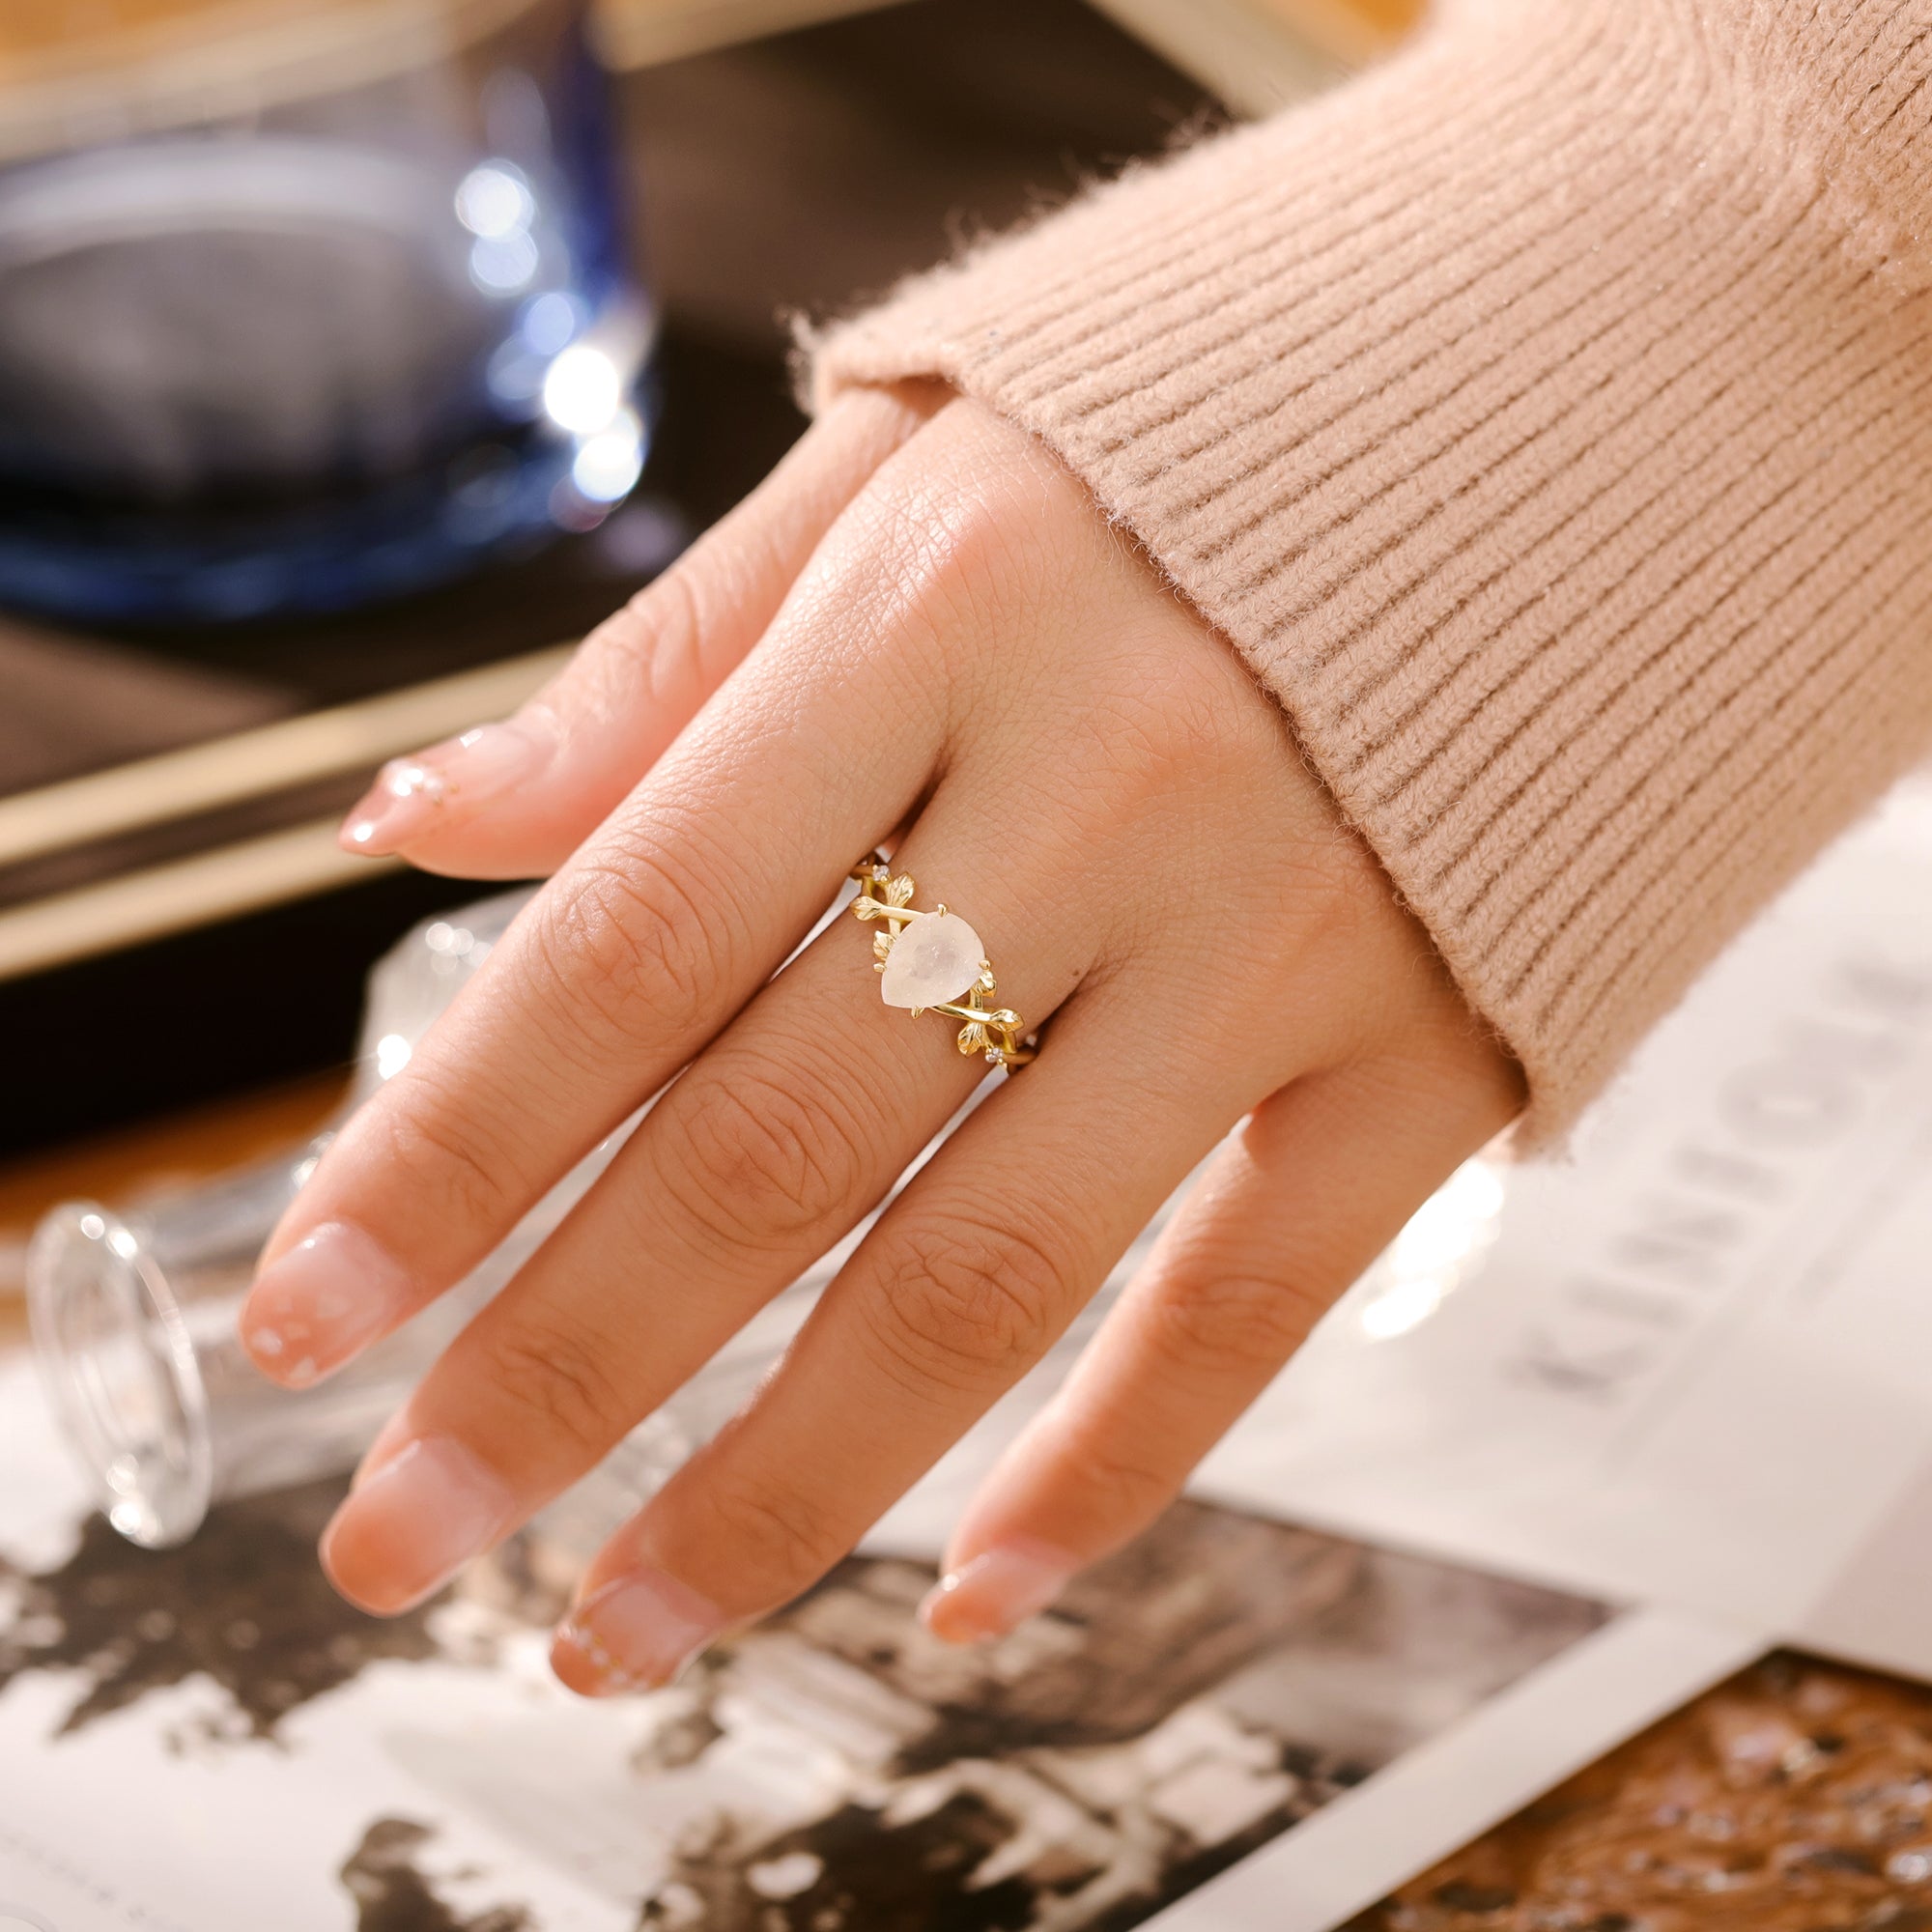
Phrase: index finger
(617, 973)
(573, 752)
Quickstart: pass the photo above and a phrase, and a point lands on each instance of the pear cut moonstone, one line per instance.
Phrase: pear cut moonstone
(933, 961)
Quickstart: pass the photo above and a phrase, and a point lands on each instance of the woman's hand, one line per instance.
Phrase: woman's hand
(920, 631)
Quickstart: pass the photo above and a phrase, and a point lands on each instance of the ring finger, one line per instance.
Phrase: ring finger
(965, 1282)
(769, 1148)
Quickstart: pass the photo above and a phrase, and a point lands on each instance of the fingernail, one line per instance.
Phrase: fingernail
(634, 1635)
(451, 777)
(996, 1592)
(328, 1298)
(412, 1524)
(391, 1439)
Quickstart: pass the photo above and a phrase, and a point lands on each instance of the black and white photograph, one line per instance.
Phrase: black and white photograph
(1192, 1700)
(965, 965)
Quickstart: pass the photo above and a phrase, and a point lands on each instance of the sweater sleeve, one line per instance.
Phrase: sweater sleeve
(1547, 417)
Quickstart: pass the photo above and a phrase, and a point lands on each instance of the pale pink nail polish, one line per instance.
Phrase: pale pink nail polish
(447, 781)
(996, 1592)
(391, 1439)
(414, 1524)
(321, 1303)
(632, 1635)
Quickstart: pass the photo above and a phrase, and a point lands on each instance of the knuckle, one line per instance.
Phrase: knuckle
(649, 649)
(1119, 1486)
(667, 636)
(1227, 1323)
(979, 549)
(1347, 910)
(767, 1528)
(559, 1381)
(444, 1156)
(1167, 753)
(1172, 719)
(757, 1154)
(630, 947)
(931, 562)
(964, 1304)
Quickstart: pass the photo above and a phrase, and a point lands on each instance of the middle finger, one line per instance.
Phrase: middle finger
(964, 1284)
(773, 1145)
(634, 954)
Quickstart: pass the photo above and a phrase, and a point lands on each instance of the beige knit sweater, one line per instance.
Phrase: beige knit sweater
(1546, 416)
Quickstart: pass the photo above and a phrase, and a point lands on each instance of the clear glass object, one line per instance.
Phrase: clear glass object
(302, 302)
(134, 1312)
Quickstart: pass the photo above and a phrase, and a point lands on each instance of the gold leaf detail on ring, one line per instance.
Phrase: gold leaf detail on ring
(997, 1033)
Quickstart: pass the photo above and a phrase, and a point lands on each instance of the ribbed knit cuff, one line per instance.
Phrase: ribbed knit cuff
(1540, 426)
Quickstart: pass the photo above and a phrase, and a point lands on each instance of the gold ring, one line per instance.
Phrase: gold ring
(933, 962)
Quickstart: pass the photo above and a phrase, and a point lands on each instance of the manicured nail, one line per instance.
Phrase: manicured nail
(996, 1592)
(321, 1303)
(412, 1524)
(634, 1635)
(451, 777)
(391, 1439)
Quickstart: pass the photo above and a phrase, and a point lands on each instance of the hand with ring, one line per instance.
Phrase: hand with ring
(920, 635)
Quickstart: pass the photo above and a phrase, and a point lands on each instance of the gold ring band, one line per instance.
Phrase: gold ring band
(933, 962)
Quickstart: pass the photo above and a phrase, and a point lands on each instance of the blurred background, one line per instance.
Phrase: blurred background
(358, 355)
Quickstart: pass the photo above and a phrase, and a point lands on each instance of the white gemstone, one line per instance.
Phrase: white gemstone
(932, 962)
